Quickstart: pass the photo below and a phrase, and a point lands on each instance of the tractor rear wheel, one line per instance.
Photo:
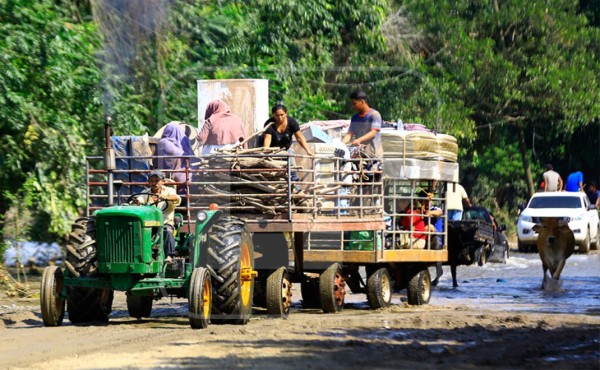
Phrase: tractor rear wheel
(200, 298)
(419, 288)
(279, 293)
(53, 306)
(379, 288)
(139, 306)
(81, 248)
(89, 305)
(332, 289)
(231, 266)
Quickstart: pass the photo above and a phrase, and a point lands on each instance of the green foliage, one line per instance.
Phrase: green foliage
(483, 73)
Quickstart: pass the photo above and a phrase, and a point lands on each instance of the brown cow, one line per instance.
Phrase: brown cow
(555, 243)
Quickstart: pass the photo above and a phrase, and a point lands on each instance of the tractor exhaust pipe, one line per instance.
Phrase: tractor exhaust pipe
(109, 160)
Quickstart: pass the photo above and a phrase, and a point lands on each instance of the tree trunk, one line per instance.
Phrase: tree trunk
(526, 167)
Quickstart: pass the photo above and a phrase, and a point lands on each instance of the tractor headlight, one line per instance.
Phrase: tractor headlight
(202, 216)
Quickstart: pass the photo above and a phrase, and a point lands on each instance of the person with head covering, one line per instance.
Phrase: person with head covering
(221, 128)
(174, 144)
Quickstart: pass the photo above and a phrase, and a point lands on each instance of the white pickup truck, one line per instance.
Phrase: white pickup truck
(572, 206)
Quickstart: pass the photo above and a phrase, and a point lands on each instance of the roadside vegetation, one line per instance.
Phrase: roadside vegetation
(517, 82)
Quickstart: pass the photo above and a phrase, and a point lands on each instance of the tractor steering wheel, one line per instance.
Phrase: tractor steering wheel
(151, 199)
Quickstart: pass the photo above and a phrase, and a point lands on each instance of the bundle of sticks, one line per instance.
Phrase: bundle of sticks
(250, 179)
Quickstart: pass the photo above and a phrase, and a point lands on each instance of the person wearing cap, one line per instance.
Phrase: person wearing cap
(365, 126)
(593, 194)
(157, 188)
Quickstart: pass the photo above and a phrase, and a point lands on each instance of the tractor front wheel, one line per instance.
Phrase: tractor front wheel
(53, 306)
(139, 306)
(200, 298)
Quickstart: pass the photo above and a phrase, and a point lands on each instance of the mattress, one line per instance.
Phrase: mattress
(419, 169)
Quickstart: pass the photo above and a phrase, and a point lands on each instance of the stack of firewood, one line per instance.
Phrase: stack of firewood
(252, 179)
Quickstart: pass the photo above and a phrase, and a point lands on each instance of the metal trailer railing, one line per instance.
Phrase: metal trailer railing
(339, 210)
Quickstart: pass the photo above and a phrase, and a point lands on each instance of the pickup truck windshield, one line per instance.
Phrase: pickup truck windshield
(555, 202)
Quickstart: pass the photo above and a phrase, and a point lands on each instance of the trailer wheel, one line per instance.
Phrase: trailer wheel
(89, 305)
(200, 298)
(379, 288)
(279, 293)
(52, 305)
(231, 266)
(81, 248)
(139, 306)
(419, 288)
(332, 289)
(309, 288)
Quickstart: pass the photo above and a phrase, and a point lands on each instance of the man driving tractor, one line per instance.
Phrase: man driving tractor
(159, 193)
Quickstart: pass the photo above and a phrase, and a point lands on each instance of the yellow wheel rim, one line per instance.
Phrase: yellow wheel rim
(247, 275)
(206, 297)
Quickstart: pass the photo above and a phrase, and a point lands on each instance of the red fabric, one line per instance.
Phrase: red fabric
(417, 221)
(221, 126)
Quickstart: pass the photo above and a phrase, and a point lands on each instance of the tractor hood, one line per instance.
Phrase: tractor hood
(151, 216)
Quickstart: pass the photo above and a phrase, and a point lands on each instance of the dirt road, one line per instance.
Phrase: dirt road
(460, 328)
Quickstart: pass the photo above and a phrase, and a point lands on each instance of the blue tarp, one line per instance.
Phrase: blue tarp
(41, 252)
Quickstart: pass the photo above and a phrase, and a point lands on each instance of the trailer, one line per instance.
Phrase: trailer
(328, 223)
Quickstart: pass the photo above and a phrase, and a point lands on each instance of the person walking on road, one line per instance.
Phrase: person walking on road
(552, 180)
(454, 200)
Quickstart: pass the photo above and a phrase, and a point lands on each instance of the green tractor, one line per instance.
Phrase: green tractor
(120, 248)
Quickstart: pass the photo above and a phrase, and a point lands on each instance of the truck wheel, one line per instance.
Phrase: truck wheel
(89, 305)
(139, 306)
(279, 293)
(81, 248)
(522, 247)
(379, 288)
(584, 247)
(200, 298)
(310, 292)
(332, 289)
(596, 243)
(52, 305)
(419, 288)
(231, 266)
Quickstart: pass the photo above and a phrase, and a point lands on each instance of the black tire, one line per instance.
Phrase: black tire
(89, 305)
(200, 298)
(522, 247)
(419, 288)
(139, 306)
(596, 243)
(279, 293)
(81, 258)
(332, 289)
(52, 305)
(231, 266)
(379, 288)
(310, 292)
(584, 247)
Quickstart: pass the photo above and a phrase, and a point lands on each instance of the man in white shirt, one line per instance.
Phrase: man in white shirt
(552, 180)
(454, 198)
